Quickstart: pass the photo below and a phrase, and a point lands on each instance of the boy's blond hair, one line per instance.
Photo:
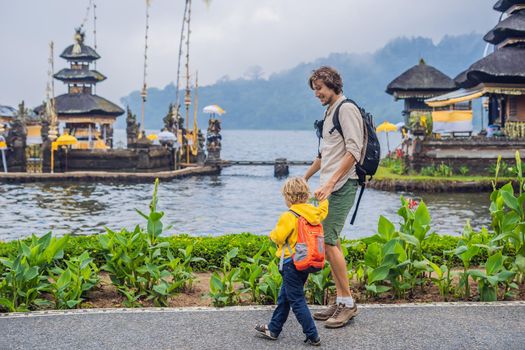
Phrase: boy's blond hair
(295, 190)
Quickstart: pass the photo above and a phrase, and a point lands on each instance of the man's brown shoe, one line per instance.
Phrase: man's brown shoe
(341, 316)
(325, 313)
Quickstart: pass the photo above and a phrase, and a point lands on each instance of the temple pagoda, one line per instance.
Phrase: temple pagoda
(500, 76)
(422, 82)
(417, 84)
(86, 115)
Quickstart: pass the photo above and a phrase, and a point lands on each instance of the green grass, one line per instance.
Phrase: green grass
(386, 174)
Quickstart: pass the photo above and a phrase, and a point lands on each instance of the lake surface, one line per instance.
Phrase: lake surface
(241, 199)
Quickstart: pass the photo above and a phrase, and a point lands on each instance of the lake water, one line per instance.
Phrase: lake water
(241, 199)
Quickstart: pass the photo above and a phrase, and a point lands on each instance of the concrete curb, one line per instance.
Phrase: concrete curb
(244, 308)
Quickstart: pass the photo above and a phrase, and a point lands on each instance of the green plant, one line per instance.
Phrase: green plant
(250, 273)
(428, 170)
(25, 276)
(270, 284)
(70, 284)
(222, 283)
(443, 279)
(181, 268)
(443, 170)
(466, 250)
(494, 275)
(464, 170)
(319, 286)
(140, 263)
(501, 168)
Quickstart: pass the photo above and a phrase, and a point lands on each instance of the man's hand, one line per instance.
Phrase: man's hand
(323, 192)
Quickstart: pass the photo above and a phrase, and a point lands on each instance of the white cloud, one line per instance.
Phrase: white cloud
(265, 14)
(227, 37)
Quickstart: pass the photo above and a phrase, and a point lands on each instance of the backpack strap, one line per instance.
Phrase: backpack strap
(357, 204)
(337, 126)
(281, 262)
(286, 244)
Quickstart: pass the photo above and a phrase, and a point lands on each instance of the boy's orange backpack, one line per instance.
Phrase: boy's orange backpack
(309, 249)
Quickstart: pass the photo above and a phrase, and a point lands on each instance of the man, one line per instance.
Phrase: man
(338, 183)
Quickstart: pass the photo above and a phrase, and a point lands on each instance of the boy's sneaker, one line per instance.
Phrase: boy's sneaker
(314, 342)
(264, 332)
(326, 313)
(341, 316)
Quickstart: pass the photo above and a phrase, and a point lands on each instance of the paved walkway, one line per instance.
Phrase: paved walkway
(424, 326)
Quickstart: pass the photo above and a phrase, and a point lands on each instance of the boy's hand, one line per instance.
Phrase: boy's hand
(324, 191)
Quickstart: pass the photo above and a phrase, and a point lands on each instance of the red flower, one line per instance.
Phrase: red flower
(412, 204)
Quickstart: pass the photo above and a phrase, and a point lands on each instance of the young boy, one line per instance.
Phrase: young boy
(296, 194)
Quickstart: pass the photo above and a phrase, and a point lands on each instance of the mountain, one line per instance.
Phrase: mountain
(284, 100)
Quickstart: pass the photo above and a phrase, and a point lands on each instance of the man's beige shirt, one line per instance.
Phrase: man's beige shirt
(334, 147)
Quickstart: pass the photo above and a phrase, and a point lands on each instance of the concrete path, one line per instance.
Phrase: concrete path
(408, 326)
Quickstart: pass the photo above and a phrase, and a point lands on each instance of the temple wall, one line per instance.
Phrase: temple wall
(477, 154)
(115, 160)
(15, 158)
(520, 108)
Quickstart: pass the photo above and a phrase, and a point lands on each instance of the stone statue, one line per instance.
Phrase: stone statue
(132, 128)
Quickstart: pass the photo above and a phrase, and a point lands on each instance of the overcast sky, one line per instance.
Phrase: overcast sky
(228, 36)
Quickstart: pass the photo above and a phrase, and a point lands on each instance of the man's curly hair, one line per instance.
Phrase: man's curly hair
(329, 76)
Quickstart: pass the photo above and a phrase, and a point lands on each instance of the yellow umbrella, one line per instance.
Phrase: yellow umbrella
(152, 137)
(65, 140)
(386, 127)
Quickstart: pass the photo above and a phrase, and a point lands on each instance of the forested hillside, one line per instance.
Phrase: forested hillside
(284, 100)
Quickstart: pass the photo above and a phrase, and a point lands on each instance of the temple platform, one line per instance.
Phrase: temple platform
(104, 176)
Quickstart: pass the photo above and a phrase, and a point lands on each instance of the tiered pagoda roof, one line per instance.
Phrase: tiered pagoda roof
(81, 76)
(505, 5)
(422, 80)
(506, 65)
(511, 27)
(80, 101)
(79, 52)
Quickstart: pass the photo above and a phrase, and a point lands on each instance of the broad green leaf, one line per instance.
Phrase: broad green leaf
(409, 239)
(477, 274)
(520, 262)
(378, 274)
(216, 283)
(385, 228)
(72, 303)
(505, 276)
(494, 264)
(373, 255)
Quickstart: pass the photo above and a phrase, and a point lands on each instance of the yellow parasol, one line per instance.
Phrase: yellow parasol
(66, 140)
(63, 140)
(152, 137)
(386, 127)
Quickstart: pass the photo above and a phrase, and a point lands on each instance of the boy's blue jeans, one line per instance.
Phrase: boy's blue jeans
(291, 296)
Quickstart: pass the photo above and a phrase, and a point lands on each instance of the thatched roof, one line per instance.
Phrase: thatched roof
(79, 75)
(504, 5)
(82, 53)
(7, 111)
(505, 65)
(84, 104)
(421, 77)
(511, 27)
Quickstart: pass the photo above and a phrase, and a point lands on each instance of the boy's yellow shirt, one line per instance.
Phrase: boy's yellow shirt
(286, 227)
